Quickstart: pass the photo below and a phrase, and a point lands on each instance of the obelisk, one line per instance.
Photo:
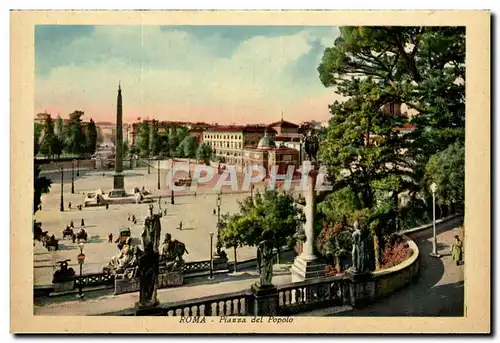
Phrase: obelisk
(118, 182)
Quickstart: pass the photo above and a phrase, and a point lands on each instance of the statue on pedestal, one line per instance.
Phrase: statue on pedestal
(149, 261)
(359, 257)
(265, 258)
(171, 253)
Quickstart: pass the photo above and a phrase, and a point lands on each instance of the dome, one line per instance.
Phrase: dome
(266, 142)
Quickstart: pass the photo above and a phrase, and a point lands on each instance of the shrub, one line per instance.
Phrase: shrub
(395, 252)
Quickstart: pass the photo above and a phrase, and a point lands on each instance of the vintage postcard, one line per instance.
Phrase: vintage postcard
(250, 172)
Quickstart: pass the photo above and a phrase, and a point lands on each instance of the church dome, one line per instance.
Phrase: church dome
(266, 142)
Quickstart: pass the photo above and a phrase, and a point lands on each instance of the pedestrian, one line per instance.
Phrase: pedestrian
(110, 238)
(83, 223)
(165, 212)
(107, 206)
(69, 205)
(195, 194)
(456, 250)
(128, 218)
(180, 226)
(215, 212)
(71, 225)
(73, 237)
(133, 219)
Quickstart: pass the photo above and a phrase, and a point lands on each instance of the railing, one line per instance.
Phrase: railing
(97, 279)
(229, 304)
(307, 295)
(196, 266)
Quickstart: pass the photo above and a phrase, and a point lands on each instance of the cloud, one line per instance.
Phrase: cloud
(174, 72)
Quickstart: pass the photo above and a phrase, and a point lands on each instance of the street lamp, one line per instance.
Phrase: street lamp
(61, 204)
(73, 177)
(149, 164)
(434, 252)
(219, 201)
(159, 174)
(189, 167)
(211, 276)
(81, 260)
(172, 180)
(77, 167)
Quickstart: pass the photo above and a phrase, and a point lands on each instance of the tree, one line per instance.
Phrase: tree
(41, 184)
(187, 148)
(374, 67)
(447, 170)
(48, 140)
(271, 215)
(144, 134)
(204, 153)
(154, 144)
(59, 126)
(73, 132)
(233, 234)
(91, 137)
(422, 67)
(36, 138)
(163, 145)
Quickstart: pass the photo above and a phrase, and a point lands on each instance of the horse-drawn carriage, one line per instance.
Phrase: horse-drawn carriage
(82, 235)
(68, 233)
(38, 233)
(52, 244)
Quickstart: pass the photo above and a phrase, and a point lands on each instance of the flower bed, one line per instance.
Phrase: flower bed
(394, 253)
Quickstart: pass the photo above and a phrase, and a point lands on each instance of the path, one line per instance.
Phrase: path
(439, 290)
(98, 304)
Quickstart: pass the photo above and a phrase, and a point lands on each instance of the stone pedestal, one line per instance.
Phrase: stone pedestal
(361, 287)
(264, 301)
(307, 265)
(64, 286)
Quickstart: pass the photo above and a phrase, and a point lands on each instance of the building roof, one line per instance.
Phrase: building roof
(284, 123)
(240, 128)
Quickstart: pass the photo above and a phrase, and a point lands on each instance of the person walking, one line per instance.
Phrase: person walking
(69, 205)
(82, 223)
(456, 250)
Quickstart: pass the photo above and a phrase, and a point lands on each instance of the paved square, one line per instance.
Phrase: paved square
(196, 213)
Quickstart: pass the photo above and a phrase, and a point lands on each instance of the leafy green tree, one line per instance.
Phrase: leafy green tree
(187, 148)
(233, 234)
(73, 132)
(204, 153)
(36, 138)
(41, 184)
(91, 137)
(163, 145)
(47, 145)
(59, 127)
(447, 170)
(154, 144)
(271, 215)
(144, 134)
(374, 67)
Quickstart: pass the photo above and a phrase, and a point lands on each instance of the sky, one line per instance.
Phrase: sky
(223, 74)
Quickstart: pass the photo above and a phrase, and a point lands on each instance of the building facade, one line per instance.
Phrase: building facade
(228, 142)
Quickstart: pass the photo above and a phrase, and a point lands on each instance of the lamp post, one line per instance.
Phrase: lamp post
(158, 174)
(77, 167)
(149, 162)
(434, 252)
(219, 201)
(189, 167)
(211, 276)
(172, 178)
(81, 260)
(61, 204)
(73, 177)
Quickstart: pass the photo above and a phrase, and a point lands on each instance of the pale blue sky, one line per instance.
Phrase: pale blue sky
(228, 73)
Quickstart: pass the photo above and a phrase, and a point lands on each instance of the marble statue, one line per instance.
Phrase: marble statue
(359, 258)
(265, 257)
(171, 253)
(149, 260)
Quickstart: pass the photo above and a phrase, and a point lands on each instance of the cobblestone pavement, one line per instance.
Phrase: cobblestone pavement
(196, 214)
(438, 291)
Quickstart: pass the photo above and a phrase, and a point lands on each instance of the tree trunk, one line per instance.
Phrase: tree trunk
(235, 261)
(376, 248)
